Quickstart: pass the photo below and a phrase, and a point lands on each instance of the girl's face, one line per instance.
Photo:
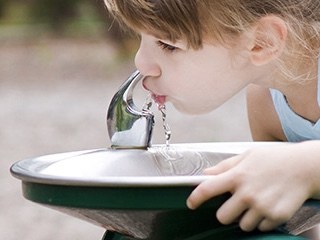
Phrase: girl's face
(194, 81)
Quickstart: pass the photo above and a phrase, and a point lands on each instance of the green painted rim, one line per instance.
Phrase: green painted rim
(144, 198)
(113, 198)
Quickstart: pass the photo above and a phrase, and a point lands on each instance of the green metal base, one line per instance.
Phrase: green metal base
(227, 233)
(171, 200)
(114, 236)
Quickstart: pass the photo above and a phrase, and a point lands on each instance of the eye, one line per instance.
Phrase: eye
(166, 46)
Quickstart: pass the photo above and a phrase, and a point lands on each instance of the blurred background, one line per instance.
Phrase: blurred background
(60, 64)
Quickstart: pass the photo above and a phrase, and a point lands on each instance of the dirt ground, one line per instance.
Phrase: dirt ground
(53, 98)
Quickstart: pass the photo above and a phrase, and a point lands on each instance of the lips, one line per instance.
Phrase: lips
(159, 99)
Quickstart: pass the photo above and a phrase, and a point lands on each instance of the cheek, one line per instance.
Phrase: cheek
(192, 100)
(186, 85)
(199, 95)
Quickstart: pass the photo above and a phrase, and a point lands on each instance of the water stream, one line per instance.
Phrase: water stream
(162, 108)
(166, 128)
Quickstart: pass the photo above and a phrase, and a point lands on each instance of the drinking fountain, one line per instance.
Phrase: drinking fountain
(136, 190)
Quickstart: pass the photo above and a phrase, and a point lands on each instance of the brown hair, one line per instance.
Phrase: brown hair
(222, 20)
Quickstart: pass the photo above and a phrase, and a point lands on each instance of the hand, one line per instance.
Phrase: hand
(268, 185)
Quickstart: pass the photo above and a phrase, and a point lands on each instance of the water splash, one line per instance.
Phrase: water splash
(179, 161)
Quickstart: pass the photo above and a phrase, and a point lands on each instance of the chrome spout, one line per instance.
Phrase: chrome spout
(128, 126)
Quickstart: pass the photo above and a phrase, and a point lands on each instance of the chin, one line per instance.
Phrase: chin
(191, 110)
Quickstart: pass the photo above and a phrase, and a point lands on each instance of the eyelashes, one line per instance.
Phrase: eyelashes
(166, 47)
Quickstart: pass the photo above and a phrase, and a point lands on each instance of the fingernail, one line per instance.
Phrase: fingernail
(189, 204)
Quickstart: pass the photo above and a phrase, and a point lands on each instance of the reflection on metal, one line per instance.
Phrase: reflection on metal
(140, 193)
(128, 126)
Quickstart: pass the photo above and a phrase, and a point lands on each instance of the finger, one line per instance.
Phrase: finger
(223, 166)
(279, 214)
(250, 220)
(268, 225)
(208, 189)
(231, 210)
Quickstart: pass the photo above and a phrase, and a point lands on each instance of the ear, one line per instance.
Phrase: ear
(268, 40)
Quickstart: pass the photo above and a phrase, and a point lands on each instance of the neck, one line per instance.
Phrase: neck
(303, 78)
(302, 92)
(272, 76)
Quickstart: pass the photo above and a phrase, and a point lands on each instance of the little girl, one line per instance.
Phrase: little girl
(197, 54)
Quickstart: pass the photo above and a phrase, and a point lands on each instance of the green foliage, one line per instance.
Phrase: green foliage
(34, 19)
(56, 16)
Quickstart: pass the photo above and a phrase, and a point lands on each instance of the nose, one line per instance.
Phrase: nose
(146, 63)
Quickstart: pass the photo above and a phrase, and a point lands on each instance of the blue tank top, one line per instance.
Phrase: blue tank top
(295, 127)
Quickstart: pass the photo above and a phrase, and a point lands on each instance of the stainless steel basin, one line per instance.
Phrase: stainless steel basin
(139, 193)
(180, 164)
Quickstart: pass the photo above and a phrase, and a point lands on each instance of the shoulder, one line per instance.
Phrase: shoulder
(263, 119)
